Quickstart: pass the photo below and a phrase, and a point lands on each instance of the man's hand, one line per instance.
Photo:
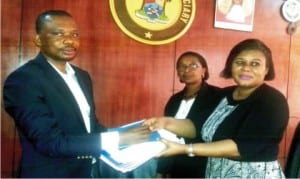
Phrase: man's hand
(135, 135)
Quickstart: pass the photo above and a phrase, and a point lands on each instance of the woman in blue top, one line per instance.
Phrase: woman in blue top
(243, 133)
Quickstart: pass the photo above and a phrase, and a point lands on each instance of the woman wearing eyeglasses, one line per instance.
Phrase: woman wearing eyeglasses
(194, 101)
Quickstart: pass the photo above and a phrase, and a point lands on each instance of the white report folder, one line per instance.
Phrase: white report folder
(128, 158)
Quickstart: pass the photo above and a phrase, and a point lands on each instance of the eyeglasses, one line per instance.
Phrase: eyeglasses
(190, 67)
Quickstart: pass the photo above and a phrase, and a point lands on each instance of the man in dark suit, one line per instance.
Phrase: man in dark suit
(51, 102)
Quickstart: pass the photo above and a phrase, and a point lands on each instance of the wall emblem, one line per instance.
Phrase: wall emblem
(153, 22)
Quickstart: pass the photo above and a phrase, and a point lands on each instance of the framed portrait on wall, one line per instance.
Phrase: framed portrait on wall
(234, 14)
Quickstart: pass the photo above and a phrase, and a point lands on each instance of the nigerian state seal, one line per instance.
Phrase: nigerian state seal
(153, 22)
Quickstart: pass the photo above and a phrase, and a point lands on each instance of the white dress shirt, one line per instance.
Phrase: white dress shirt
(72, 82)
(184, 109)
(108, 139)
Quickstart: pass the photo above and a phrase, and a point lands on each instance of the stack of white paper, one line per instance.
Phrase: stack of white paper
(129, 158)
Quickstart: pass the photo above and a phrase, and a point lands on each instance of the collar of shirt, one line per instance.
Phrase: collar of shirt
(69, 70)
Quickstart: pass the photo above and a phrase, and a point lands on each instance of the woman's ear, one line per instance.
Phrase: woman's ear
(37, 41)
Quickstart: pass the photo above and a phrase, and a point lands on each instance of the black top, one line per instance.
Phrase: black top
(256, 125)
(182, 166)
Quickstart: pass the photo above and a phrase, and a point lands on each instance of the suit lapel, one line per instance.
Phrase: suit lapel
(85, 86)
(200, 101)
(62, 88)
(176, 101)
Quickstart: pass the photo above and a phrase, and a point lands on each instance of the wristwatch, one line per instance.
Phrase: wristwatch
(190, 150)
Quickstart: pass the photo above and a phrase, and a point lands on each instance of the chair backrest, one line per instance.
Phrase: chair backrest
(292, 169)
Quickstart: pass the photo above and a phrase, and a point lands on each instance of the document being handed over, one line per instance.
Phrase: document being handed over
(128, 158)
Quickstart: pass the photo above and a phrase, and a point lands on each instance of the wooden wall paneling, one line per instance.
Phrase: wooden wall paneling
(294, 80)
(294, 87)
(10, 42)
(134, 80)
(271, 28)
(130, 89)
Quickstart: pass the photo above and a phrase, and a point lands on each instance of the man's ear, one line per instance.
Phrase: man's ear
(37, 41)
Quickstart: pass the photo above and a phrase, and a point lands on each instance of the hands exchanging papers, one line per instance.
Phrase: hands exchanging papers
(132, 154)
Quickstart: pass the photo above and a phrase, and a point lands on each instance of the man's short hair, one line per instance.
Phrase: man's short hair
(42, 18)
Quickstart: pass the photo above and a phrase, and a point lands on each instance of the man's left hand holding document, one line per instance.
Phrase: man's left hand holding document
(129, 155)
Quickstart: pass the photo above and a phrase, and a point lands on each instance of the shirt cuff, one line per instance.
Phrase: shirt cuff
(110, 140)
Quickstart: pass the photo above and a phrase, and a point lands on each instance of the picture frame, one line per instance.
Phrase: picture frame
(234, 14)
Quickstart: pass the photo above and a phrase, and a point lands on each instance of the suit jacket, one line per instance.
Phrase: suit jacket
(55, 142)
(182, 166)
